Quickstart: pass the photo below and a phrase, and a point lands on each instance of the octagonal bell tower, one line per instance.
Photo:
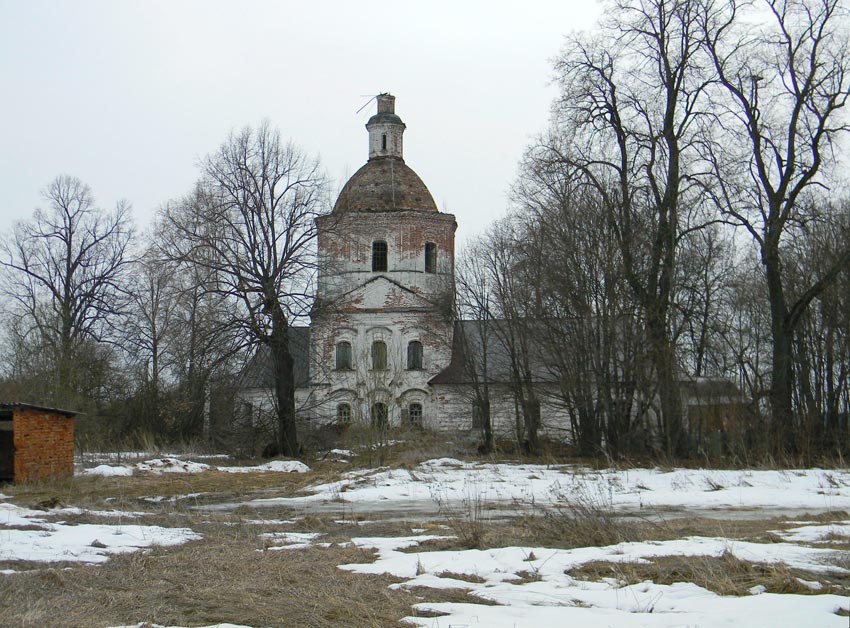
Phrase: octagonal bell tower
(386, 202)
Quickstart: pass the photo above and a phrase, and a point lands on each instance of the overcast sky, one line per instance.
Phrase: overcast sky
(128, 95)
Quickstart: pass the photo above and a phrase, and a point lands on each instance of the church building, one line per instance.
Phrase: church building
(384, 347)
(382, 326)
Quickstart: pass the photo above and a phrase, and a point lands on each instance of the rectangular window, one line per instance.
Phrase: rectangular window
(379, 256)
(379, 356)
(343, 356)
(414, 356)
(430, 257)
(414, 414)
(343, 413)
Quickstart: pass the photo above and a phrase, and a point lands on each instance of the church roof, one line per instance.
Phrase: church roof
(480, 346)
(384, 184)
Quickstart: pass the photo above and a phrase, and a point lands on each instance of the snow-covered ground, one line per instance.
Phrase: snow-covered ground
(523, 587)
(531, 586)
(172, 464)
(451, 481)
(554, 598)
(26, 535)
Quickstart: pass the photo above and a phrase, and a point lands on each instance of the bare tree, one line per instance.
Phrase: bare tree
(475, 302)
(589, 318)
(153, 297)
(630, 123)
(250, 222)
(822, 338)
(508, 266)
(65, 273)
(781, 88)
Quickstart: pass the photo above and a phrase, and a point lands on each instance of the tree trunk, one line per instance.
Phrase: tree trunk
(782, 375)
(484, 405)
(284, 380)
(669, 397)
(531, 415)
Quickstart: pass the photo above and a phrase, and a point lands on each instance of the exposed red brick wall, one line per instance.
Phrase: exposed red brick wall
(345, 241)
(44, 445)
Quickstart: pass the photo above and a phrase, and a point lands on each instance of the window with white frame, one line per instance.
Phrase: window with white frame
(414, 414)
(343, 413)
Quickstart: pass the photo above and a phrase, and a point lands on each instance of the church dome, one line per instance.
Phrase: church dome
(385, 183)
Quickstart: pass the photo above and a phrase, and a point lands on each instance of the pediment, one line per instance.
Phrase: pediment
(383, 294)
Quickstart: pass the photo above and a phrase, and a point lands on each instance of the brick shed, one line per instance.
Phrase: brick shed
(36, 443)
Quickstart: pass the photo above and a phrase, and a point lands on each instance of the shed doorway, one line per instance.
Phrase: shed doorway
(7, 447)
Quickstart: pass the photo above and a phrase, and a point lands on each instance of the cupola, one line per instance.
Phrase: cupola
(385, 130)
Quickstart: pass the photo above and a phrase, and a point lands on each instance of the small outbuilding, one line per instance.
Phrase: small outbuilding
(36, 443)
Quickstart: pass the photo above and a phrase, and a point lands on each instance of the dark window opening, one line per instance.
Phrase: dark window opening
(343, 413)
(379, 256)
(384, 142)
(414, 355)
(380, 416)
(343, 356)
(379, 355)
(430, 257)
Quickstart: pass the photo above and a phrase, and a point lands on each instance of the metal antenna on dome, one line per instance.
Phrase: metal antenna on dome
(371, 98)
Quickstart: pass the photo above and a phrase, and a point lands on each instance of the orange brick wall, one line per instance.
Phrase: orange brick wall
(44, 445)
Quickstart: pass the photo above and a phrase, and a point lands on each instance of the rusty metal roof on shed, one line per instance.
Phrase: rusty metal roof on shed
(31, 406)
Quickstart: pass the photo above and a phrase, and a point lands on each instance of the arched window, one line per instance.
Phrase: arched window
(414, 355)
(379, 256)
(380, 416)
(343, 356)
(343, 413)
(379, 355)
(430, 257)
(414, 414)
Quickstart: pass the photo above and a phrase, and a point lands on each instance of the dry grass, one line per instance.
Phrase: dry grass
(226, 577)
(465, 577)
(724, 575)
(223, 578)
(179, 491)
